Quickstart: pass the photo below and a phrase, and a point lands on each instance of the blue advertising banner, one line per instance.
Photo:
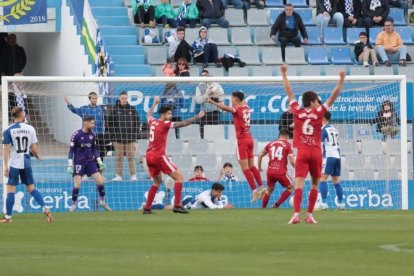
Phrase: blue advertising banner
(21, 12)
(128, 195)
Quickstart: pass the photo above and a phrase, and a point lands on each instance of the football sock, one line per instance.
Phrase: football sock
(9, 204)
(178, 190)
(297, 200)
(256, 175)
(339, 192)
(313, 196)
(323, 188)
(101, 190)
(38, 197)
(283, 197)
(75, 193)
(151, 195)
(250, 179)
(265, 200)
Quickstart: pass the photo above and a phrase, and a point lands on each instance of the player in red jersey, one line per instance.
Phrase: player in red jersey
(279, 151)
(307, 139)
(157, 160)
(245, 143)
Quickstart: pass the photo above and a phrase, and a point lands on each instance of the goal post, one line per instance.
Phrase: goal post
(267, 100)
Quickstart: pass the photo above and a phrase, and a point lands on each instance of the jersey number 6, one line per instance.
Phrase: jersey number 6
(307, 129)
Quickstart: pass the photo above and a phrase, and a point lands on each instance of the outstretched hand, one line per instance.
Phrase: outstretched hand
(66, 100)
(283, 68)
(156, 100)
(342, 75)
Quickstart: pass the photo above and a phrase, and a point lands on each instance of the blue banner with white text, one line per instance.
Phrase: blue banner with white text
(21, 12)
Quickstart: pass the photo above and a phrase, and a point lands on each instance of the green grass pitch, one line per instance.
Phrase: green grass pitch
(217, 242)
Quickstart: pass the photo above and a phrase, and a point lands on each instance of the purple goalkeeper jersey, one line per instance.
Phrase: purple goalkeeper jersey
(83, 147)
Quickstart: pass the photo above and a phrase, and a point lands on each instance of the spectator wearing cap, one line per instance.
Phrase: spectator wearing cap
(204, 49)
(198, 174)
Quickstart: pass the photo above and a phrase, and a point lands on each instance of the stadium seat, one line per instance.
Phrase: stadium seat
(238, 72)
(219, 35)
(274, 3)
(333, 36)
(398, 16)
(318, 55)
(235, 17)
(165, 30)
(311, 70)
(262, 71)
(363, 174)
(190, 132)
(298, 3)
(257, 17)
(195, 71)
(344, 130)
(345, 174)
(352, 35)
(333, 70)
(378, 162)
(191, 34)
(141, 35)
(215, 72)
(199, 146)
(175, 146)
(183, 162)
(370, 147)
(142, 147)
(396, 161)
(383, 71)
(262, 36)
(314, 35)
(348, 146)
(405, 33)
(156, 55)
(306, 15)
(389, 174)
(208, 161)
(214, 133)
(363, 132)
(264, 133)
(227, 50)
(358, 70)
(171, 135)
(341, 55)
(355, 161)
(295, 55)
(373, 33)
(271, 55)
(231, 132)
(250, 55)
(274, 13)
(241, 36)
(229, 158)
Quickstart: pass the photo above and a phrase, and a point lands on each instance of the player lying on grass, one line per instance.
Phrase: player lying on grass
(210, 199)
(19, 142)
(278, 151)
(157, 160)
(331, 165)
(307, 139)
(245, 143)
(83, 158)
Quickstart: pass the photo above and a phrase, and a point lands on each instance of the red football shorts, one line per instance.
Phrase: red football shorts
(274, 177)
(308, 161)
(244, 148)
(160, 163)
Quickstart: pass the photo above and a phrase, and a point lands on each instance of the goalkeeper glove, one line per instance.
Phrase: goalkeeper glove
(101, 165)
(70, 166)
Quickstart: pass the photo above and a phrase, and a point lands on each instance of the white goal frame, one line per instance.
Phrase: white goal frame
(402, 79)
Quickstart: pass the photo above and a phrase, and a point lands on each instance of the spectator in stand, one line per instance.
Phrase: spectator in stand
(144, 12)
(187, 14)
(181, 70)
(387, 120)
(179, 47)
(258, 3)
(212, 12)
(168, 68)
(389, 45)
(288, 23)
(204, 49)
(374, 12)
(364, 52)
(397, 4)
(97, 112)
(227, 173)
(238, 4)
(328, 11)
(198, 174)
(124, 126)
(286, 122)
(165, 14)
(352, 13)
(212, 90)
(13, 57)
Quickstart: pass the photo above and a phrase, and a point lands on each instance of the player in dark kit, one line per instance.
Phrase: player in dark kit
(157, 160)
(84, 159)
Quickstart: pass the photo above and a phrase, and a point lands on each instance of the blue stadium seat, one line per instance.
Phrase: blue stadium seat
(113, 11)
(352, 35)
(274, 3)
(314, 34)
(318, 55)
(264, 133)
(405, 33)
(274, 13)
(306, 15)
(373, 33)
(297, 3)
(333, 35)
(341, 55)
(398, 16)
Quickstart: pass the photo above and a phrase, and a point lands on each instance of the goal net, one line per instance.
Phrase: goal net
(376, 158)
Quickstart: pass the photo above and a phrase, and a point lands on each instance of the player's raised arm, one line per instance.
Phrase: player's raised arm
(189, 121)
(337, 90)
(220, 105)
(150, 112)
(260, 158)
(286, 84)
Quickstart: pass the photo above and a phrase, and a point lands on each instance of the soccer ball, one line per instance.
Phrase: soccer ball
(291, 201)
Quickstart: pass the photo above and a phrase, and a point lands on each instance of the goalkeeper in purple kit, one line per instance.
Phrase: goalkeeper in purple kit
(84, 159)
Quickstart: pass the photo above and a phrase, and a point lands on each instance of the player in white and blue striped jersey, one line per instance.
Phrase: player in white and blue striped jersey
(19, 142)
(331, 164)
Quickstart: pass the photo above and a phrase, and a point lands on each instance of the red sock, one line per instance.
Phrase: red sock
(256, 175)
(297, 200)
(151, 195)
(283, 197)
(313, 196)
(265, 200)
(250, 178)
(178, 190)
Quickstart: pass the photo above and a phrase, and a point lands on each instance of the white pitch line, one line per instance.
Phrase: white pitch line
(395, 248)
